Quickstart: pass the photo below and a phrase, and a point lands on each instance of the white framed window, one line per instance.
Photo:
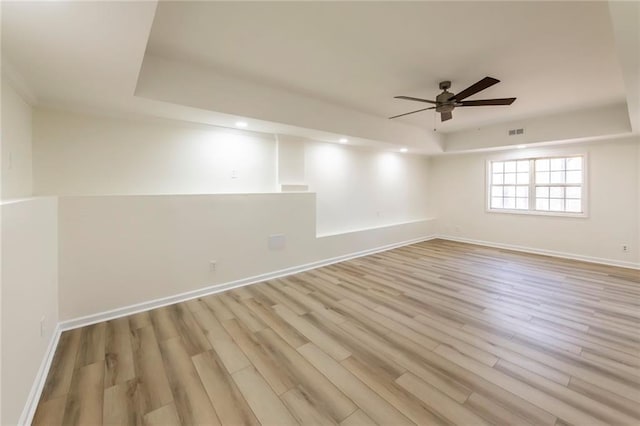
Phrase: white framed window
(554, 185)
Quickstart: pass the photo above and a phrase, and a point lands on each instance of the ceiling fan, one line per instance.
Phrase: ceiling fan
(446, 101)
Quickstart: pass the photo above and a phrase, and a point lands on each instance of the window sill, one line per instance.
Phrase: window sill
(539, 213)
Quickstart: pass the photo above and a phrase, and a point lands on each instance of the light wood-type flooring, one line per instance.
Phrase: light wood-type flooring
(433, 333)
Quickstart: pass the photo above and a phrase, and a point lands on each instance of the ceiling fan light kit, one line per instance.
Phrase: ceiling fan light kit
(446, 101)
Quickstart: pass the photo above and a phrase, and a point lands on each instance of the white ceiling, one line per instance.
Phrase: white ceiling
(552, 56)
(342, 61)
(76, 52)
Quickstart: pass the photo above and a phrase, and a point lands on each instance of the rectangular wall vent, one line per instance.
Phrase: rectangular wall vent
(514, 132)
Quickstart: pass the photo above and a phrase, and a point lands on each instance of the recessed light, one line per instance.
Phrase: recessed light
(403, 150)
(343, 140)
(241, 124)
(521, 146)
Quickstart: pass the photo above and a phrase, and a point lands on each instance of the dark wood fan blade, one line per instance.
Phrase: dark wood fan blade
(475, 88)
(483, 102)
(412, 112)
(409, 98)
(444, 116)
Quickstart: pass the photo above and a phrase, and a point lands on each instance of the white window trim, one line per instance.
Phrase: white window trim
(585, 185)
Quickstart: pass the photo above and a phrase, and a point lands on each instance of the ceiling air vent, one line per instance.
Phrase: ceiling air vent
(514, 132)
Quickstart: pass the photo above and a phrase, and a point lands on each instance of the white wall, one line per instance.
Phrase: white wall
(121, 250)
(28, 258)
(458, 184)
(76, 154)
(16, 144)
(359, 188)
(291, 165)
(29, 293)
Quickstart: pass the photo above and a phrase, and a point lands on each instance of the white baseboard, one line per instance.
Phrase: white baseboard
(38, 384)
(205, 291)
(564, 255)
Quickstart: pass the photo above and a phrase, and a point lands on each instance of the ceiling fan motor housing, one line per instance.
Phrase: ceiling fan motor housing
(443, 103)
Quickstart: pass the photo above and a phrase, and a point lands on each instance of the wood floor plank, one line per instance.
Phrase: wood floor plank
(208, 322)
(313, 305)
(92, 345)
(392, 393)
(379, 410)
(163, 323)
(319, 391)
(394, 326)
(311, 332)
(244, 315)
(85, 401)
(269, 317)
(358, 418)
(272, 292)
(193, 337)
(478, 348)
(625, 405)
(119, 366)
(230, 405)
(457, 382)
(230, 354)
(190, 398)
(139, 320)
(194, 305)
(437, 332)
(556, 406)
(490, 410)
(437, 337)
(586, 404)
(266, 405)
(153, 385)
(50, 412)
(412, 362)
(540, 369)
(615, 364)
(439, 402)
(163, 416)
(218, 308)
(562, 361)
(305, 412)
(277, 376)
(226, 349)
(358, 349)
(119, 407)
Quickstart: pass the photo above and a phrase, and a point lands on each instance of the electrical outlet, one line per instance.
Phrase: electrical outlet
(212, 265)
(625, 248)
